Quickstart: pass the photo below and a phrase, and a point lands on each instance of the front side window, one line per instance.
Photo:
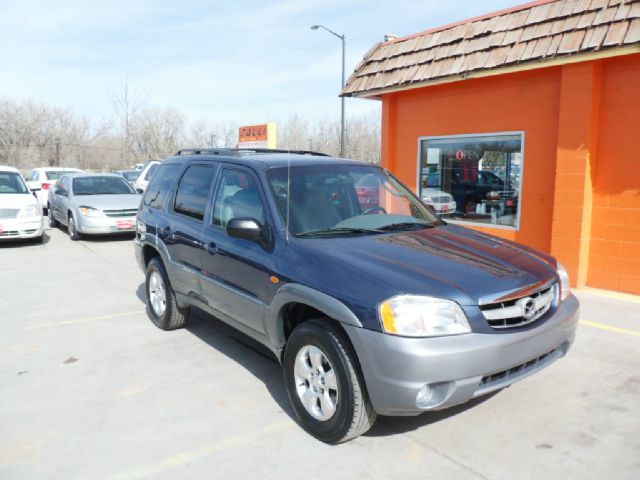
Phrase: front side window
(345, 200)
(160, 184)
(475, 178)
(237, 197)
(101, 185)
(193, 191)
(11, 182)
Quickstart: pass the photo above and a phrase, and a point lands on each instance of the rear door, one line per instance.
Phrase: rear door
(182, 235)
(235, 272)
(60, 199)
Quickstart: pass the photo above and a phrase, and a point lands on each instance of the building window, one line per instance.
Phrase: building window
(473, 178)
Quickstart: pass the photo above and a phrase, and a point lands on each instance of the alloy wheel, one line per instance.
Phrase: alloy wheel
(316, 382)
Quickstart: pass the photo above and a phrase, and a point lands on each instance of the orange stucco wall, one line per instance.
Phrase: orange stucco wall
(615, 231)
(580, 173)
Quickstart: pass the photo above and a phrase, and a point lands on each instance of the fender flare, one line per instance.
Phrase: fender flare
(296, 293)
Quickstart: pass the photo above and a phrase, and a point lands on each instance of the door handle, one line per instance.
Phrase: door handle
(211, 248)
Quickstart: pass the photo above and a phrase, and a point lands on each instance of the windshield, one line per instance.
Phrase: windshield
(11, 182)
(151, 171)
(55, 174)
(346, 200)
(131, 175)
(99, 185)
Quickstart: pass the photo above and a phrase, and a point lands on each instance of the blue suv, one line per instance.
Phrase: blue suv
(371, 303)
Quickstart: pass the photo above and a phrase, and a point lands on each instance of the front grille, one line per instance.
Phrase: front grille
(521, 311)
(9, 212)
(9, 233)
(131, 212)
(440, 199)
(509, 376)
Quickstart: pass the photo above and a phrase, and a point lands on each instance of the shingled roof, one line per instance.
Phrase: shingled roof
(531, 35)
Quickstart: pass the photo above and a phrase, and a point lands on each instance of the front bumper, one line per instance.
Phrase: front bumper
(26, 228)
(105, 225)
(457, 368)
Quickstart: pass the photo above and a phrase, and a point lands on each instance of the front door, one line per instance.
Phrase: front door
(236, 271)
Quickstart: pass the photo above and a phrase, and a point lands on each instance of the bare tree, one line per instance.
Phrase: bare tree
(126, 104)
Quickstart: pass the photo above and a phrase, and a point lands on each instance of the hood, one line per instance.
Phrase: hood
(108, 202)
(448, 262)
(17, 200)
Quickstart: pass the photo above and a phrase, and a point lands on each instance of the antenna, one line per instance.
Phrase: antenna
(288, 195)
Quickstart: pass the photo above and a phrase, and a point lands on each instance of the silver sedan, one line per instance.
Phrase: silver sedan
(93, 204)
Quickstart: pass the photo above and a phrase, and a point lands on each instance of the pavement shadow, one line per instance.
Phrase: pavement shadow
(250, 354)
(386, 426)
(25, 243)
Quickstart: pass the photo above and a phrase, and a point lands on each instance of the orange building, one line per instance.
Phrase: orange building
(529, 120)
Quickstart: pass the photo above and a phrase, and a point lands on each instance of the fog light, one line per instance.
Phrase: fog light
(432, 395)
(424, 395)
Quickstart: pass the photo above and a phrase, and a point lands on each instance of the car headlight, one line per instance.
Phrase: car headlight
(565, 287)
(90, 212)
(421, 316)
(30, 211)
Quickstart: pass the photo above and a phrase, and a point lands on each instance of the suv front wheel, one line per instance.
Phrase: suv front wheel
(161, 301)
(324, 383)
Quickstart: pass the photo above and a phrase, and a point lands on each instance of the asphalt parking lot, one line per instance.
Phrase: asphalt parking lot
(90, 389)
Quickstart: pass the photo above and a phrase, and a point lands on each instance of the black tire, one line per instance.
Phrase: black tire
(73, 233)
(53, 223)
(172, 317)
(38, 240)
(354, 414)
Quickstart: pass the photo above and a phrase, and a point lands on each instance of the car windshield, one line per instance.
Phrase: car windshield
(11, 182)
(101, 185)
(344, 200)
(54, 174)
(131, 176)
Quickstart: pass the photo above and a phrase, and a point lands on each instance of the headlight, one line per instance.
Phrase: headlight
(418, 316)
(30, 211)
(90, 212)
(565, 287)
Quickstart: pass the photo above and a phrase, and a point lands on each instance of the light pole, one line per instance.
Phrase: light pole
(341, 37)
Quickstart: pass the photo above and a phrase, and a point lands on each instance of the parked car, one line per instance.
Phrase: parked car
(441, 201)
(490, 188)
(129, 175)
(43, 179)
(93, 204)
(20, 212)
(147, 171)
(375, 309)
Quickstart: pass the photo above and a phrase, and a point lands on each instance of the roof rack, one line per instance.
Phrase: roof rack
(238, 151)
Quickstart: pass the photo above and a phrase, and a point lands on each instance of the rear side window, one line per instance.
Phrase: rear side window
(193, 191)
(160, 185)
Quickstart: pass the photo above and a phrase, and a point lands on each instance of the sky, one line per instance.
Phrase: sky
(249, 62)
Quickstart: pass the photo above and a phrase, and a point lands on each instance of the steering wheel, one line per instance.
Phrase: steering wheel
(374, 209)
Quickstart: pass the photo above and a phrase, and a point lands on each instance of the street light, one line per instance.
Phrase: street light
(341, 37)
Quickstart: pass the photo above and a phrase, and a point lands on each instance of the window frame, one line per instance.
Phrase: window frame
(518, 223)
(174, 196)
(170, 190)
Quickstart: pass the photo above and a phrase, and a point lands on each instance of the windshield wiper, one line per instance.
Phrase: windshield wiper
(403, 225)
(339, 231)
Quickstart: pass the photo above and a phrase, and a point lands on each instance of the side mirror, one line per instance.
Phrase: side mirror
(246, 228)
(34, 186)
(139, 191)
(59, 191)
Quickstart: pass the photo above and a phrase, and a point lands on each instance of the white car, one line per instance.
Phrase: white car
(20, 212)
(441, 201)
(145, 175)
(43, 179)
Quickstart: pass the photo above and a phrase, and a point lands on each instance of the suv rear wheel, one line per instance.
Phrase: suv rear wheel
(161, 301)
(324, 383)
